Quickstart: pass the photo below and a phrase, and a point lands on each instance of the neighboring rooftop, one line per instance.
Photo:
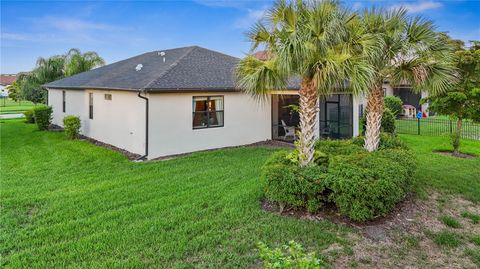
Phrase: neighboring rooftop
(188, 68)
(7, 79)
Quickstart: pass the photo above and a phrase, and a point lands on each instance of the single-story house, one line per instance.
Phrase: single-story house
(183, 100)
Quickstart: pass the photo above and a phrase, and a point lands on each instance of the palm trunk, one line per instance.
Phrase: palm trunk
(308, 116)
(456, 137)
(374, 118)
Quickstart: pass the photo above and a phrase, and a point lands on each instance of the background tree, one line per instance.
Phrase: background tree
(412, 53)
(14, 91)
(316, 42)
(77, 62)
(54, 68)
(462, 101)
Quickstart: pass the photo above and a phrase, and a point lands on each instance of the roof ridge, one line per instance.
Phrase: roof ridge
(172, 66)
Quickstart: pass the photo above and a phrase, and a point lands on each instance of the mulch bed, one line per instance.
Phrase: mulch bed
(459, 155)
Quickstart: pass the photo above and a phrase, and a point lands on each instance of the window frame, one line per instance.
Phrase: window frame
(64, 105)
(90, 105)
(109, 97)
(208, 112)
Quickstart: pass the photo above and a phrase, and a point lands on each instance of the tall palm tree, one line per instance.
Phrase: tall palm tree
(77, 62)
(317, 42)
(413, 53)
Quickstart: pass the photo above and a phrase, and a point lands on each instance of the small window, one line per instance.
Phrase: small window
(63, 102)
(108, 97)
(207, 112)
(90, 105)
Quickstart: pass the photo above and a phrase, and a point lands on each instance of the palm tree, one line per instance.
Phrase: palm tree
(49, 69)
(413, 53)
(317, 42)
(77, 62)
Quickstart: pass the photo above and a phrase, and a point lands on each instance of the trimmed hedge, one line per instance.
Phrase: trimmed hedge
(71, 125)
(387, 141)
(288, 184)
(368, 185)
(29, 116)
(43, 116)
(362, 185)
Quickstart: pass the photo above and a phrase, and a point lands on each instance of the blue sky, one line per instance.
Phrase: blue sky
(122, 29)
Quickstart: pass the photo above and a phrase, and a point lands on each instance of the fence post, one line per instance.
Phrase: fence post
(450, 126)
(418, 126)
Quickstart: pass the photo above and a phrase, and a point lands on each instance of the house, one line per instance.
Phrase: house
(183, 100)
(6, 80)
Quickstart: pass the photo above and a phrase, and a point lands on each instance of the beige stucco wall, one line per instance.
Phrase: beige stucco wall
(246, 121)
(119, 122)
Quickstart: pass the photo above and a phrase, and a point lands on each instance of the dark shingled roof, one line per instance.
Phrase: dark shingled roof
(191, 68)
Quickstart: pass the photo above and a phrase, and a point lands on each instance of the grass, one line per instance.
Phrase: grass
(475, 239)
(450, 222)
(435, 126)
(71, 204)
(473, 217)
(446, 239)
(474, 256)
(449, 174)
(11, 107)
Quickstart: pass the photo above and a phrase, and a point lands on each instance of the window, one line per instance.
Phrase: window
(90, 105)
(63, 101)
(108, 97)
(207, 112)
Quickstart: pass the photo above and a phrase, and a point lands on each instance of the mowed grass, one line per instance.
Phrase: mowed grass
(11, 107)
(72, 204)
(446, 173)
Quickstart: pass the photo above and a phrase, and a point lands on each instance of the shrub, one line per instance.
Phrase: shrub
(366, 185)
(288, 184)
(387, 141)
(387, 124)
(394, 103)
(289, 257)
(337, 147)
(43, 116)
(29, 116)
(71, 125)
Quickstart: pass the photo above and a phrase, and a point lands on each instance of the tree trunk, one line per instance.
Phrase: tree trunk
(456, 137)
(308, 117)
(374, 118)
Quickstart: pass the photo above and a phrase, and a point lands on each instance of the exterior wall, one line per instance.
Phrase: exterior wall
(246, 121)
(119, 122)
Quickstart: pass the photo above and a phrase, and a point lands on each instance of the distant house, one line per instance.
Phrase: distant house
(5, 80)
(182, 100)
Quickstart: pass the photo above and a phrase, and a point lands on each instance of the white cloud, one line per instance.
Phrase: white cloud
(72, 24)
(221, 3)
(419, 6)
(357, 5)
(15, 36)
(252, 16)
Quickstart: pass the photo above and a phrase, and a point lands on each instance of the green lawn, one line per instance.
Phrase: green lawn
(11, 107)
(67, 203)
(72, 204)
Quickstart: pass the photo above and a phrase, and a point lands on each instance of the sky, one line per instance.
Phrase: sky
(117, 30)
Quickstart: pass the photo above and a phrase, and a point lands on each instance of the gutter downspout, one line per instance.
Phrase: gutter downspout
(146, 126)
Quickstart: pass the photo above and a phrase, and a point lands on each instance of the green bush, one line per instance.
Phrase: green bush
(288, 184)
(387, 124)
(337, 147)
(43, 116)
(394, 103)
(387, 141)
(367, 185)
(71, 125)
(291, 256)
(29, 116)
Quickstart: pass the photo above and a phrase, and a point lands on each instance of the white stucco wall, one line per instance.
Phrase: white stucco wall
(246, 121)
(119, 122)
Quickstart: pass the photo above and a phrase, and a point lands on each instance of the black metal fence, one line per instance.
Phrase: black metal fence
(436, 127)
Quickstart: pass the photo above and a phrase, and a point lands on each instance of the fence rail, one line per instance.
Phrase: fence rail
(436, 127)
